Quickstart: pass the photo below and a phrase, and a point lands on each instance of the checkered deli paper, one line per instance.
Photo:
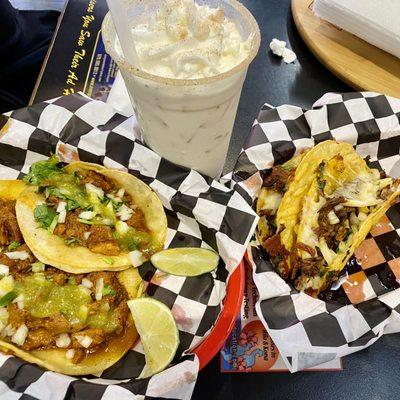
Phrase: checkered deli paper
(349, 316)
(200, 211)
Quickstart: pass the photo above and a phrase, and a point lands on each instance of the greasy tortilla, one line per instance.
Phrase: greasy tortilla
(51, 249)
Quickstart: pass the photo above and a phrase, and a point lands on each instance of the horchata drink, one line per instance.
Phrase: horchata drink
(193, 59)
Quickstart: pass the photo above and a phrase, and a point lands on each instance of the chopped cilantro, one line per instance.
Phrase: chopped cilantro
(348, 233)
(8, 298)
(108, 291)
(330, 275)
(321, 167)
(53, 191)
(321, 183)
(44, 215)
(71, 241)
(276, 260)
(132, 245)
(71, 280)
(72, 204)
(108, 260)
(53, 224)
(13, 245)
(41, 170)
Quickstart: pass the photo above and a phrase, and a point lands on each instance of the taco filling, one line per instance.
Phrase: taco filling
(344, 202)
(44, 308)
(85, 208)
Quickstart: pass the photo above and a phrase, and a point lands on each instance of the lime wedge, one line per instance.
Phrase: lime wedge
(185, 261)
(157, 330)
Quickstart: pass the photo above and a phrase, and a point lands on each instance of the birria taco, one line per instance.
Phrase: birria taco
(345, 200)
(274, 186)
(84, 217)
(72, 324)
(327, 205)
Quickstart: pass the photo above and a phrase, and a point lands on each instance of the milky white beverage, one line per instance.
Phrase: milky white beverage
(193, 62)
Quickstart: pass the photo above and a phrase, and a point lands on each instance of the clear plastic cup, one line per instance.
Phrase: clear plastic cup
(187, 121)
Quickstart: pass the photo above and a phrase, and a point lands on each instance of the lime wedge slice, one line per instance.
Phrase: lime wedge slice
(185, 261)
(157, 330)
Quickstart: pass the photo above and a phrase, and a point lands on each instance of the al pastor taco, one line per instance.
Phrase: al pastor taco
(72, 324)
(84, 217)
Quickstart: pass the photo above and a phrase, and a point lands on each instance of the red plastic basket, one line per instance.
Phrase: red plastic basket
(211, 345)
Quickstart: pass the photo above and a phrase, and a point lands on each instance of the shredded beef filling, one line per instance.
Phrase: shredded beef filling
(277, 179)
(333, 233)
(278, 254)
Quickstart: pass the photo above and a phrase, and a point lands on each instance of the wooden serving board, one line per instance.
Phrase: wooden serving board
(360, 64)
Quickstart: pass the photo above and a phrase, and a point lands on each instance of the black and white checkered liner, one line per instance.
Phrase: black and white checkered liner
(311, 331)
(201, 213)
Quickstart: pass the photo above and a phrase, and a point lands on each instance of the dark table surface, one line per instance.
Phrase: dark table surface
(369, 374)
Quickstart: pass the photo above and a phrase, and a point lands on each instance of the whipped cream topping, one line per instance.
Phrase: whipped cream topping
(189, 41)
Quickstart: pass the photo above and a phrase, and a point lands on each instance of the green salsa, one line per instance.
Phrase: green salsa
(44, 298)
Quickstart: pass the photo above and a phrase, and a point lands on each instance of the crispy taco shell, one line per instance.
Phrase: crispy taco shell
(51, 249)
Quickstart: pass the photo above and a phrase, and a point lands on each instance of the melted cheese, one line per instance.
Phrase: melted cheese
(269, 200)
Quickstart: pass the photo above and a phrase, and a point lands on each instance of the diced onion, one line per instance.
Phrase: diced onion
(137, 258)
(62, 216)
(84, 341)
(4, 269)
(326, 252)
(63, 340)
(106, 221)
(3, 314)
(99, 289)
(20, 335)
(94, 189)
(121, 193)
(86, 235)
(115, 198)
(88, 215)
(338, 207)
(62, 206)
(70, 354)
(85, 290)
(124, 213)
(121, 227)
(362, 216)
(17, 255)
(332, 218)
(9, 330)
(353, 219)
(18, 298)
(20, 301)
(87, 283)
(38, 267)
